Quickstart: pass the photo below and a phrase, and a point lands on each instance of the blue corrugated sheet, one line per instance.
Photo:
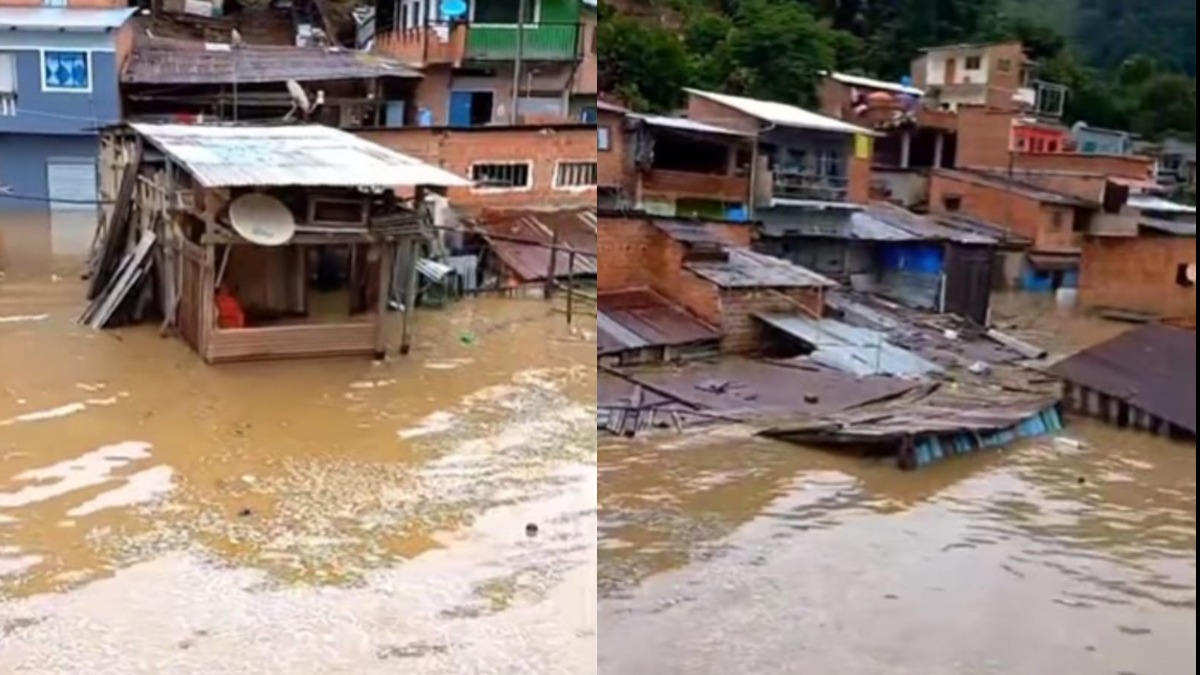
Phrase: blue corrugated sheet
(849, 349)
(923, 257)
(931, 449)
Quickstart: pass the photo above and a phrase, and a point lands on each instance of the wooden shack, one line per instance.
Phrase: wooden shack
(323, 292)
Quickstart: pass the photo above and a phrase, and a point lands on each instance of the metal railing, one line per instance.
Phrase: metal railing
(543, 41)
(809, 186)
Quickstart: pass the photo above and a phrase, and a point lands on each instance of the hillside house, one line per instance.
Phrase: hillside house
(470, 62)
(672, 166)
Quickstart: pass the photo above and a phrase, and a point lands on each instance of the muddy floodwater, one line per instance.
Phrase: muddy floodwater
(319, 517)
(724, 554)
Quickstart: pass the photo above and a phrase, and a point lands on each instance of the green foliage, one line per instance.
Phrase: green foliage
(776, 49)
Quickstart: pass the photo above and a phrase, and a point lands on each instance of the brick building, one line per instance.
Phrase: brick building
(1053, 221)
(1151, 274)
(549, 165)
(709, 270)
(996, 76)
(492, 66)
(673, 166)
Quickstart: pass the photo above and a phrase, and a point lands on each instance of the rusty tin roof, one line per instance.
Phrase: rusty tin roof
(184, 62)
(1152, 368)
(749, 269)
(639, 318)
(576, 229)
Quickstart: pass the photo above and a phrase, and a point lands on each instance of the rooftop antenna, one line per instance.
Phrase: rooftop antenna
(235, 41)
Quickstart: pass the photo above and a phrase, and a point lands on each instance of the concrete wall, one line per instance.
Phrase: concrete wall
(63, 112)
(543, 147)
(1138, 274)
(23, 159)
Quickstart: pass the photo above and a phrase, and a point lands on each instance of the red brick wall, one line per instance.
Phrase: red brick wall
(984, 137)
(860, 180)
(456, 150)
(704, 110)
(1138, 274)
(741, 332)
(1131, 167)
(1021, 215)
(835, 98)
(585, 77)
(613, 162)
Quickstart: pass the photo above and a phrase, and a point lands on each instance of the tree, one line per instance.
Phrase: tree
(647, 66)
(779, 50)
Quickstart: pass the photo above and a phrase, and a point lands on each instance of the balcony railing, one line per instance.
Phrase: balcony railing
(434, 43)
(699, 185)
(803, 186)
(545, 41)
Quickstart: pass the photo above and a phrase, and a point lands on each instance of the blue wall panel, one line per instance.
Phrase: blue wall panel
(23, 166)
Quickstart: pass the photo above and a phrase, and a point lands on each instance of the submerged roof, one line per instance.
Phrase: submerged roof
(850, 349)
(64, 18)
(640, 318)
(1152, 368)
(189, 62)
(748, 269)
(308, 155)
(576, 229)
(782, 114)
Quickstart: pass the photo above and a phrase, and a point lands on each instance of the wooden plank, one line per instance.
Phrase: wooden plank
(133, 273)
(387, 258)
(410, 296)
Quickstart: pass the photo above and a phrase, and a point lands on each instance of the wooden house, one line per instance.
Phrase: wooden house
(323, 290)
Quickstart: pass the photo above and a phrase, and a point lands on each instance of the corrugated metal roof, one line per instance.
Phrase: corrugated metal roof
(684, 124)
(881, 222)
(1152, 368)
(641, 318)
(1169, 227)
(869, 83)
(693, 232)
(63, 18)
(1159, 205)
(748, 269)
(783, 114)
(183, 62)
(576, 229)
(308, 155)
(853, 350)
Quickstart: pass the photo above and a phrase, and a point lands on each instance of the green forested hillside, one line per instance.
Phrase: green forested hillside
(1129, 64)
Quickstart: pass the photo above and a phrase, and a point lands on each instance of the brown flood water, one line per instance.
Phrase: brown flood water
(725, 554)
(319, 517)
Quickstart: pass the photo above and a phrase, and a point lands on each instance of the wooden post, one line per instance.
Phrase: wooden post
(410, 294)
(381, 302)
(570, 284)
(552, 272)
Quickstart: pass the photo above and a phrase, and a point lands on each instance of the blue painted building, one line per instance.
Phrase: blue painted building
(59, 82)
(1091, 140)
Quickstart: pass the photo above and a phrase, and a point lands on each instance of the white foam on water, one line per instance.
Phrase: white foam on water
(63, 478)
(18, 565)
(435, 423)
(449, 364)
(43, 415)
(142, 487)
(28, 318)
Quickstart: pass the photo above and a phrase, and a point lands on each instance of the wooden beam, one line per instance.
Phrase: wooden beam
(410, 295)
(383, 283)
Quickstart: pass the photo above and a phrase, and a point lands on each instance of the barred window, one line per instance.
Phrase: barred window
(576, 174)
(502, 175)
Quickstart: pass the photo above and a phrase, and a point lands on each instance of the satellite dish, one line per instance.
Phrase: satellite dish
(453, 9)
(299, 96)
(261, 219)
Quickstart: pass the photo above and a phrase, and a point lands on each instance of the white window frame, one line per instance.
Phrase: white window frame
(558, 166)
(63, 90)
(8, 100)
(528, 164)
(537, 18)
(604, 138)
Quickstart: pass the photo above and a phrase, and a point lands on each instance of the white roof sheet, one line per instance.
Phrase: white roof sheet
(684, 124)
(783, 114)
(64, 18)
(308, 155)
(870, 83)
(1159, 205)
